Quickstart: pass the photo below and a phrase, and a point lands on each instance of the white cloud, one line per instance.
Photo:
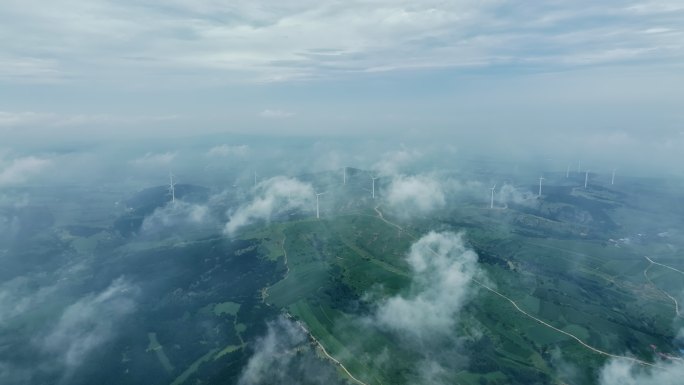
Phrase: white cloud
(507, 193)
(273, 196)
(281, 357)
(177, 215)
(276, 114)
(442, 269)
(12, 119)
(262, 41)
(89, 323)
(151, 159)
(623, 372)
(393, 162)
(20, 170)
(411, 194)
(271, 359)
(18, 296)
(225, 150)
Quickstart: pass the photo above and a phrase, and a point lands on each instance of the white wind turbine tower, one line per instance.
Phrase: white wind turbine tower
(586, 178)
(541, 178)
(255, 178)
(567, 172)
(612, 179)
(344, 178)
(172, 188)
(318, 212)
(491, 203)
(373, 188)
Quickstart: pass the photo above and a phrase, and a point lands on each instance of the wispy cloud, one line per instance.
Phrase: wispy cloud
(392, 162)
(9, 119)
(89, 323)
(152, 159)
(280, 357)
(274, 196)
(227, 150)
(622, 372)
(264, 42)
(20, 170)
(415, 194)
(276, 114)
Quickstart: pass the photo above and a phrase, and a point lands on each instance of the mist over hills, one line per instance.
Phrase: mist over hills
(323, 192)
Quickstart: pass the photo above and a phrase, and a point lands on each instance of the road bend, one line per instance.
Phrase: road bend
(673, 299)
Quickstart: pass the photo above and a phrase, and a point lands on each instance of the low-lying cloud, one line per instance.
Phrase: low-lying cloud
(623, 372)
(20, 170)
(276, 114)
(178, 215)
(89, 323)
(279, 359)
(272, 197)
(226, 150)
(152, 159)
(62, 344)
(443, 268)
(393, 162)
(418, 193)
(511, 194)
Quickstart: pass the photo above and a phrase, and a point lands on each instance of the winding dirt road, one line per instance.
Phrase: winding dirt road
(673, 299)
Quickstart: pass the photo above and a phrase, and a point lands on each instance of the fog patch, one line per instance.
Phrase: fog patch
(273, 196)
(155, 160)
(511, 194)
(178, 215)
(225, 150)
(284, 356)
(565, 370)
(623, 372)
(19, 295)
(88, 324)
(393, 162)
(442, 271)
(19, 170)
(276, 114)
(415, 194)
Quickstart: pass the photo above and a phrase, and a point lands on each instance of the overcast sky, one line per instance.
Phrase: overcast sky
(604, 71)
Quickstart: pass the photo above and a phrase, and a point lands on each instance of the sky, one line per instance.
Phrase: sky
(574, 75)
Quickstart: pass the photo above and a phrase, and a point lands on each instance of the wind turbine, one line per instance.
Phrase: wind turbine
(318, 213)
(172, 188)
(344, 178)
(586, 178)
(541, 178)
(373, 188)
(255, 178)
(567, 172)
(612, 180)
(491, 204)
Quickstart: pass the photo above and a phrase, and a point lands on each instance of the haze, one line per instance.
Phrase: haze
(188, 191)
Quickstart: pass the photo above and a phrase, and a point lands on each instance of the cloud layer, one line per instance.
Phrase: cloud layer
(273, 197)
(302, 39)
